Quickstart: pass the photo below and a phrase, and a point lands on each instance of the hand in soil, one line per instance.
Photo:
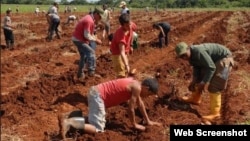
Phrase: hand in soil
(154, 123)
(140, 127)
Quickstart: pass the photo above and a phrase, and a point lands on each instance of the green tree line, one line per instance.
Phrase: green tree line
(43, 2)
(145, 3)
(180, 3)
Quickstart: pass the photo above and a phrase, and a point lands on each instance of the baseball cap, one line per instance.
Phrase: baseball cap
(99, 11)
(181, 48)
(122, 3)
(152, 83)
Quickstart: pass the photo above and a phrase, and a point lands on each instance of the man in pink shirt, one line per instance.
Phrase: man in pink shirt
(85, 41)
(109, 94)
(121, 46)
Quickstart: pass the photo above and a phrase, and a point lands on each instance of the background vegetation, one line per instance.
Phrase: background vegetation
(144, 3)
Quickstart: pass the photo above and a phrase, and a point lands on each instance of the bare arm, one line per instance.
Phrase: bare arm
(136, 100)
(90, 37)
(162, 31)
(124, 56)
(135, 88)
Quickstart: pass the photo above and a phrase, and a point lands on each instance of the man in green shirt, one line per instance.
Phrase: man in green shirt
(212, 64)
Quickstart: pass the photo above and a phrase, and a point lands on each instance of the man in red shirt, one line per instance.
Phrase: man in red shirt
(121, 46)
(109, 94)
(85, 41)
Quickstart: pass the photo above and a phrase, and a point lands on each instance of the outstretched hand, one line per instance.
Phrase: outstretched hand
(98, 41)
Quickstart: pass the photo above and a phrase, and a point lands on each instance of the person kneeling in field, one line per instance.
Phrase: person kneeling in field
(109, 94)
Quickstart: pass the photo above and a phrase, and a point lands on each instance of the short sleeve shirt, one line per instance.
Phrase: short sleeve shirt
(52, 9)
(6, 21)
(86, 23)
(120, 37)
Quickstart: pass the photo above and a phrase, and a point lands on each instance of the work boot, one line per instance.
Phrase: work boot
(215, 107)
(195, 97)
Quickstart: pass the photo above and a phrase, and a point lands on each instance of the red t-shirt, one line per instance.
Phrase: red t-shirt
(133, 26)
(86, 23)
(120, 37)
(115, 92)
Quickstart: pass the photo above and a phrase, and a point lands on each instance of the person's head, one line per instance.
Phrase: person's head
(104, 6)
(98, 14)
(150, 86)
(155, 26)
(124, 20)
(122, 4)
(8, 12)
(182, 50)
(55, 4)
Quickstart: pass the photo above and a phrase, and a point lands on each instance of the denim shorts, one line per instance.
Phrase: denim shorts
(96, 107)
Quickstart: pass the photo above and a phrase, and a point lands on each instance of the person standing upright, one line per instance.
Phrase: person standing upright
(124, 7)
(106, 21)
(8, 30)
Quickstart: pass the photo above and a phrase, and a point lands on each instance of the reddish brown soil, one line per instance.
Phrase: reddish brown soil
(38, 77)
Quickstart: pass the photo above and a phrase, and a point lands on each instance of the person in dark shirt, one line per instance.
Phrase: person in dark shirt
(164, 28)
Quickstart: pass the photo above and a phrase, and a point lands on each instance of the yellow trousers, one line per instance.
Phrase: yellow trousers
(119, 66)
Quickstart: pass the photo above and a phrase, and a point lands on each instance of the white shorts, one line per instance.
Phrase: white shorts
(97, 112)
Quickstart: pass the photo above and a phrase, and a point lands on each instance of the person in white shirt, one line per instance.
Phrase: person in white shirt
(124, 7)
(106, 21)
(8, 30)
(52, 10)
(37, 11)
(55, 22)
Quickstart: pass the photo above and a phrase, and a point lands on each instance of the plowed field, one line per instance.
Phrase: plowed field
(38, 78)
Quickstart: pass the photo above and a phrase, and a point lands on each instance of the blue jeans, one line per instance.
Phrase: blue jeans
(54, 28)
(87, 55)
